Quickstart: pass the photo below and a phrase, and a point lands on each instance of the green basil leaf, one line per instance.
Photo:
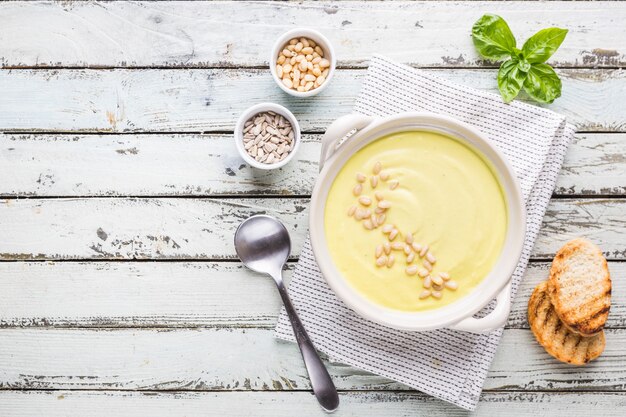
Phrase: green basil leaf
(510, 79)
(523, 64)
(539, 47)
(542, 83)
(493, 38)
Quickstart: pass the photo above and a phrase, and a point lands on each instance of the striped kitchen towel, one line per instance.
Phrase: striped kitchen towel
(447, 364)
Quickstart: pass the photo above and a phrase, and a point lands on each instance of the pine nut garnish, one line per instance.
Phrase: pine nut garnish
(411, 270)
(427, 265)
(437, 279)
(374, 217)
(384, 204)
(410, 258)
(431, 258)
(397, 246)
(301, 65)
(427, 282)
(374, 221)
(361, 213)
(451, 285)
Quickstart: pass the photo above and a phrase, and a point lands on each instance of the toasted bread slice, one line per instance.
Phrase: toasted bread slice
(580, 287)
(555, 337)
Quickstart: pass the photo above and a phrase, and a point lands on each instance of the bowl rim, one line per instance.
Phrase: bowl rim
(486, 290)
(259, 108)
(319, 38)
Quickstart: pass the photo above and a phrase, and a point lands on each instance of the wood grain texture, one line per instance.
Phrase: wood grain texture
(204, 100)
(181, 294)
(252, 359)
(272, 404)
(201, 165)
(201, 33)
(203, 228)
(204, 328)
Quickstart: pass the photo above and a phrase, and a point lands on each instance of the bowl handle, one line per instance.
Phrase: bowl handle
(338, 130)
(491, 321)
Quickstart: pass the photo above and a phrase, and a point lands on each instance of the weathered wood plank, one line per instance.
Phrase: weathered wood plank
(211, 100)
(148, 165)
(174, 228)
(200, 34)
(594, 164)
(251, 359)
(213, 294)
(183, 165)
(272, 404)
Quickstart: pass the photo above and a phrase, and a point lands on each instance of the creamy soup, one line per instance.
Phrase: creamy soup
(436, 189)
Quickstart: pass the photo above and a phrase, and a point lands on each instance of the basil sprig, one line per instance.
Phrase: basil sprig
(525, 68)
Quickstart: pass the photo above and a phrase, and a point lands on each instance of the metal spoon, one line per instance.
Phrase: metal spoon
(263, 245)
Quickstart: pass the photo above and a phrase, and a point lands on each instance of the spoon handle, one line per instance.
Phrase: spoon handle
(323, 386)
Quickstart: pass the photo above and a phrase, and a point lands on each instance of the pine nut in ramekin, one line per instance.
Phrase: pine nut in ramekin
(326, 65)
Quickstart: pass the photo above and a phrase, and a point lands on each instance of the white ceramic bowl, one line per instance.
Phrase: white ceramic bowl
(329, 53)
(337, 148)
(260, 108)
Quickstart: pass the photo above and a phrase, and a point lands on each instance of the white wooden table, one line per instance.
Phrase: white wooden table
(120, 190)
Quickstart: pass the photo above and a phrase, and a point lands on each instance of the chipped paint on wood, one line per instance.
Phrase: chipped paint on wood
(211, 360)
(176, 100)
(201, 165)
(212, 294)
(236, 308)
(302, 404)
(202, 228)
(149, 34)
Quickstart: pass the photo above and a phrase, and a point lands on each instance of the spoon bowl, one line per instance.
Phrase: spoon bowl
(263, 244)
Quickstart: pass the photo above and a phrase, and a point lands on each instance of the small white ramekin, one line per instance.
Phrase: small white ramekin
(329, 54)
(261, 108)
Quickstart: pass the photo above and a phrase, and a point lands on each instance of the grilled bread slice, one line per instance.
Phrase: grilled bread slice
(555, 337)
(580, 287)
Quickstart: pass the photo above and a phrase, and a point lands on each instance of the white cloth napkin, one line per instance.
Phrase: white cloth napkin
(447, 364)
